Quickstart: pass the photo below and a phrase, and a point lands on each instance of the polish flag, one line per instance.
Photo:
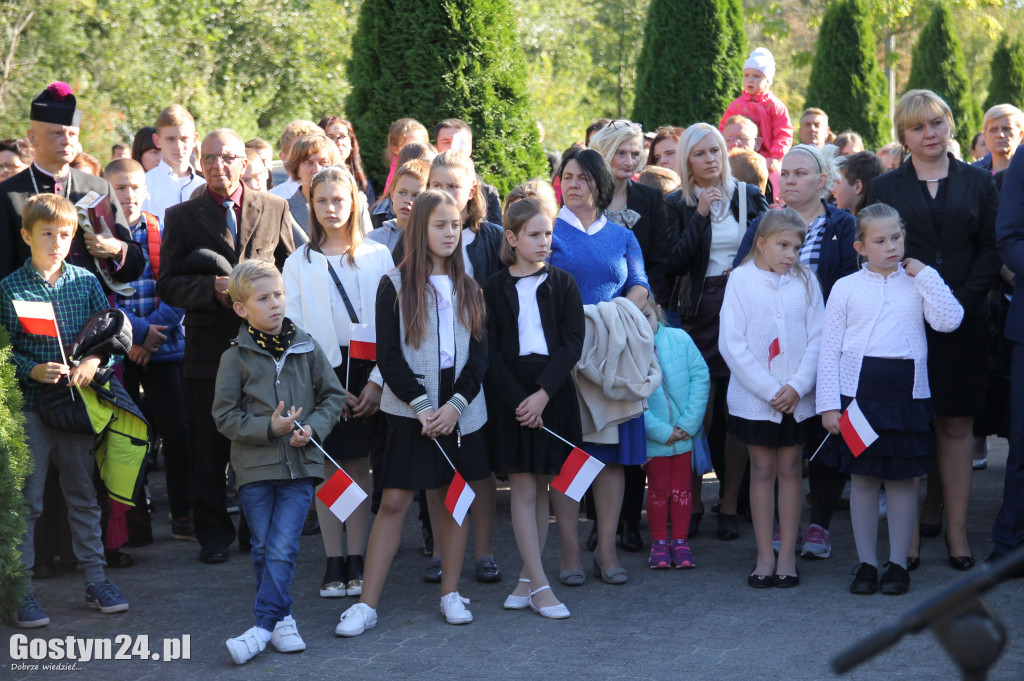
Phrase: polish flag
(363, 342)
(773, 351)
(578, 471)
(36, 318)
(341, 495)
(460, 496)
(857, 432)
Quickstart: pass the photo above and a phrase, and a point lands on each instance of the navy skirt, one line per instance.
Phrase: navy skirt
(885, 395)
(767, 433)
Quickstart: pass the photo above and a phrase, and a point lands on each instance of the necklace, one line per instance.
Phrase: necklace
(35, 187)
(937, 180)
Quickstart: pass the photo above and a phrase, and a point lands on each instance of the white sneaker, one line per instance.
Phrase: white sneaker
(356, 620)
(245, 647)
(285, 638)
(454, 608)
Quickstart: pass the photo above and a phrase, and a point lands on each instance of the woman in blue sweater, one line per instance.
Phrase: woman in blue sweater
(606, 261)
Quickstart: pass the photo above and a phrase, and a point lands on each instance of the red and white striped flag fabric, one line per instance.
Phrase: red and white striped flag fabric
(857, 432)
(773, 351)
(459, 498)
(341, 495)
(36, 318)
(363, 342)
(578, 471)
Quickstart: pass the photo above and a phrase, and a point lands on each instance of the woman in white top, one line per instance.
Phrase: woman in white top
(331, 285)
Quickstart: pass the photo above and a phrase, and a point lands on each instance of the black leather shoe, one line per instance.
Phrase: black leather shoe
(785, 581)
(487, 570)
(213, 553)
(865, 579)
(118, 559)
(759, 581)
(895, 580)
(592, 539)
(728, 527)
(961, 563)
(631, 540)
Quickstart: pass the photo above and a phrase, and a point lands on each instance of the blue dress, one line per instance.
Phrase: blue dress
(605, 264)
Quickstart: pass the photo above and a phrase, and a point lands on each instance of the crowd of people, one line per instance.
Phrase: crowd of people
(717, 297)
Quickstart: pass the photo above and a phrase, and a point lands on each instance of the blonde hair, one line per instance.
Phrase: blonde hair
(415, 168)
(540, 190)
(750, 167)
(776, 221)
(245, 275)
(689, 139)
(400, 131)
(664, 180)
(608, 139)
(1000, 110)
(452, 160)
(48, 208)
(293, 130)
(337, 174)
(914, 106)
(175, 114)
(876, 211)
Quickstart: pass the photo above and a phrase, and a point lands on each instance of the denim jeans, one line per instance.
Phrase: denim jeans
(275, 510)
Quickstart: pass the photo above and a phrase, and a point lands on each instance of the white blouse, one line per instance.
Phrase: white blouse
(445, 319)
(726, 236)
(339, 313)
(468, 237)
(531, 333)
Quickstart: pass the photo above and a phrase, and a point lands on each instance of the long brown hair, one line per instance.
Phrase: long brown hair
(415, 269)
(317, 232)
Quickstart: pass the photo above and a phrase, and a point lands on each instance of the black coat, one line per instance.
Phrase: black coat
(561, 316)
(651, 234)
(16, 191)
(963, 250)
(689, 235)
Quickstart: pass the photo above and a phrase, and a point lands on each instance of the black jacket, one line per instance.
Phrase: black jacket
(561, 316)
(651, 234)
(963, 250)
(17, 190)
(689, 237)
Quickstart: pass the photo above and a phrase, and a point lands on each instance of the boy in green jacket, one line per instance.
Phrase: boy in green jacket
(273, 363)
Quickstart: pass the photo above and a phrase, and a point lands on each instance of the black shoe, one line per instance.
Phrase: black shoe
(354, 585)
(695, 519)
(786, 581)
(214, 552)
(118, 559)
(335, 577)
(895, 580)
(630, 539)
(759, 581)
(865, 579)
(592, 539)
(728, 527)
(487, 570)
(961, 563)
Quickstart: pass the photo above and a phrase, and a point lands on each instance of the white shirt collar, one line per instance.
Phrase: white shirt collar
(165, 168)
(568, 216)
(48, 173)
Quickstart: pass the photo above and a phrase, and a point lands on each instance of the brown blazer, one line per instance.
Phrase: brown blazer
(264, 232)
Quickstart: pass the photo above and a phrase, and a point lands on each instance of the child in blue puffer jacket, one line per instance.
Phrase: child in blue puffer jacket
(675, 413)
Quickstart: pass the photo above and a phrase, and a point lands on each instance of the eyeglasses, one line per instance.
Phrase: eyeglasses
(226, 159)
(621, 123)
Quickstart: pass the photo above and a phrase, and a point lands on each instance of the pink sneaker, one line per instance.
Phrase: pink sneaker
(659, 555)
(682, 556)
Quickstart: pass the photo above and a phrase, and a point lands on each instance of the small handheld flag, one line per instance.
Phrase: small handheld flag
(36, 318)
(341, 494)
(855, 429)
(773, 351)
(363, 342)
(460, 495)
(578, 472)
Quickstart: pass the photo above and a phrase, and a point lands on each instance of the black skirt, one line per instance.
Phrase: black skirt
(703, 326)
(355, 438)
(767, 433)
(958, 368)
(414, 462)
(885, 395)
(517, 449)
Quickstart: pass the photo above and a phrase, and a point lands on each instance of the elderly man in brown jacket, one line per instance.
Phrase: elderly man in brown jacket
(203, 239)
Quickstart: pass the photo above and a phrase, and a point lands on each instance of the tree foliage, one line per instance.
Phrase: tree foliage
(938, 65)
(15, 464)
(443, 59)
(845, 79)
(1007, 84)
(691, 63)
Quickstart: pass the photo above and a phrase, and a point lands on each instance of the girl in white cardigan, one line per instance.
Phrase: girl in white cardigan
(328, 308)
(874, 353)
(769, 336)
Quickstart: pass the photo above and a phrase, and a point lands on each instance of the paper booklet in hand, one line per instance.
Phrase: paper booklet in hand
(96, 216)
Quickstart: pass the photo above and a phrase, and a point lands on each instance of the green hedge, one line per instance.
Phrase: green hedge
(15, 464)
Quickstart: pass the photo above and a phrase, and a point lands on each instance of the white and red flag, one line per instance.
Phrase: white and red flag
(363, 342)
(856, 431)
(459, 498)
(36, 318)
(578, 472)
(341, 495)
(773, 351)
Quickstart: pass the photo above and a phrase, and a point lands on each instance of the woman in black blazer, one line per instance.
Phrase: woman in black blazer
(949, 211)
(641, 209)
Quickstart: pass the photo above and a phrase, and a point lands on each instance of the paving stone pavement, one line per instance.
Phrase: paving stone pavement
(694, 624)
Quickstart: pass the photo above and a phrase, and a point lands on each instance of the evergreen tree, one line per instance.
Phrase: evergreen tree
(691, 64)
(938, 64)
(438, 59)
(15, 464)
(1007, 84)
(846, 81)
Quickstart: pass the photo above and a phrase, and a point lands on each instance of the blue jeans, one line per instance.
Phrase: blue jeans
(275, 511)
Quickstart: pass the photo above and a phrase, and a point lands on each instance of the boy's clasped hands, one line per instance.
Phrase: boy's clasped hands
(281, 424)
(51, 372)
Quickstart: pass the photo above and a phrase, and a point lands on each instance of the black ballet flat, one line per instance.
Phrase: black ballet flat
(785, 581)
(759, 581)
(961, 563)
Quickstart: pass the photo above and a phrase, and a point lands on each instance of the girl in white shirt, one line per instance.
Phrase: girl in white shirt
(769, 336)
(874, 354)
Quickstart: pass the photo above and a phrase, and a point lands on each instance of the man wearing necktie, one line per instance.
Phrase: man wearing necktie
(203, 238)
